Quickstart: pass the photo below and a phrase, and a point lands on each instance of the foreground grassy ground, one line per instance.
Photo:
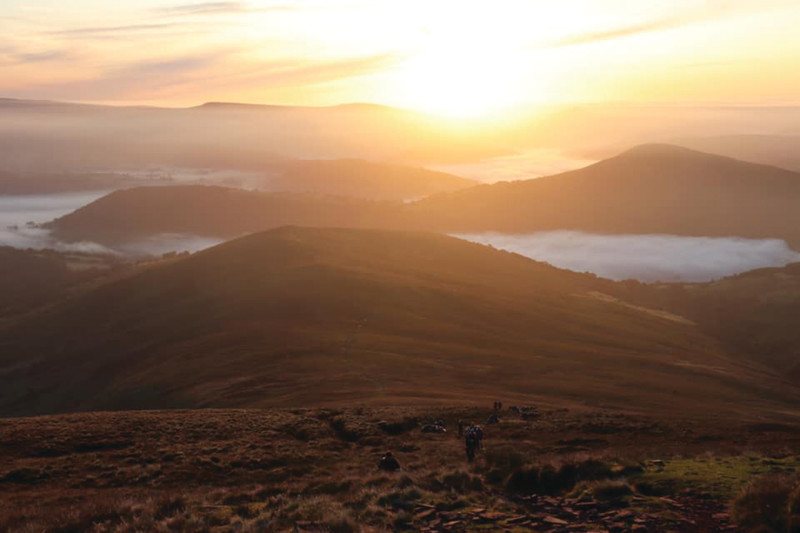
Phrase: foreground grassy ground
(316, 470)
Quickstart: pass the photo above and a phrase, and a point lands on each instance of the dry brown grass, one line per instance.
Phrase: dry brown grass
(769, 504)
(263, 470)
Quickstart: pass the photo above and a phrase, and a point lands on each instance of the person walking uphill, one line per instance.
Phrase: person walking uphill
(472, 440)
(388, 463)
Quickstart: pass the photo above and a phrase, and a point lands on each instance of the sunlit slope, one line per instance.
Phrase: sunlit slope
(649, 189)
(324, 316)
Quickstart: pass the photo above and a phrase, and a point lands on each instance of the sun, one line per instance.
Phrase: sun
(456, 72)
(459, 83)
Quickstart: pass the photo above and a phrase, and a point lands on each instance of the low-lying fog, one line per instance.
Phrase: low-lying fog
(524, 165)
(19, 216)
(645, 257)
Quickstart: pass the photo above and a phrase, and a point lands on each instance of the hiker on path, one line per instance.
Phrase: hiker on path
(472, 440)
(388, 463)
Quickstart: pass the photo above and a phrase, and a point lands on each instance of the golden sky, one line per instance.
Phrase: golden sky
(460, 58)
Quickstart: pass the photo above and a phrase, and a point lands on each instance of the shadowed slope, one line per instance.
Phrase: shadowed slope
(755, 314)
(32, 278)
(301, 316)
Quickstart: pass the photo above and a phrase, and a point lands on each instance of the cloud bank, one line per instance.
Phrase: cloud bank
(647, 258)
(16, 212)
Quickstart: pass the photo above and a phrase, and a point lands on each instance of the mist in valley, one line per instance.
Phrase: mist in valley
(647, 258)
(21, 216)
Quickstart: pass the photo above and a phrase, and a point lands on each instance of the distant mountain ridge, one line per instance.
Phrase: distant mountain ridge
(222, 212)
(648, 189)
(48, 136)
(779, 150)
(363, 179)
(205, 105)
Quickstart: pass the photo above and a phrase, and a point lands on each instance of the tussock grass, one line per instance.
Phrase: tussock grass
(769, 504)
(248, 471)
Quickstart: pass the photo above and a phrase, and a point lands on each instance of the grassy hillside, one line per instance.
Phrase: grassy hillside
(649, 189)
(325, 316)
(32, 278)
(755, 314)
(315, 470)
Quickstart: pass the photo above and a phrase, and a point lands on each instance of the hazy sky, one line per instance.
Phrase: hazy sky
(452, 57)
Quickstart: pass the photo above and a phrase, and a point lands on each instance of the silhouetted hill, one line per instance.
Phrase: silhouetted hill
(648, 189)
(301, 316)
(364, 179)
(38, 136)
(779, 150)
(339, 177)
(25, 183)
(214, 211)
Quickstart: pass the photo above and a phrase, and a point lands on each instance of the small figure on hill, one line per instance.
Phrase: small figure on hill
(433, 428)
(460, 428)
(472, 442)
(493, 419)
(388, 463)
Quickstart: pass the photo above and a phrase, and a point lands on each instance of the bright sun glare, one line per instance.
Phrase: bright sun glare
(458, 83)
(457, 72)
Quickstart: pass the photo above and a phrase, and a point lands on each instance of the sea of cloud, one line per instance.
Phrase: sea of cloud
(528, 164)
(20, 217)
(646, 258)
